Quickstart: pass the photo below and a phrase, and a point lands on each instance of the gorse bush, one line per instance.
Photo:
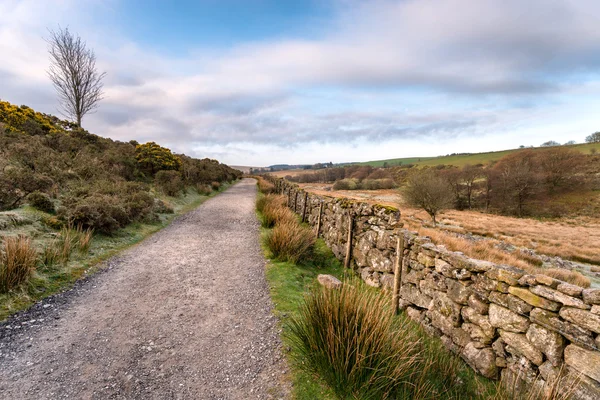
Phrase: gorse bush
(85, 172)
(41, 201)
(290, 241)
(215, 185)
(17, 262)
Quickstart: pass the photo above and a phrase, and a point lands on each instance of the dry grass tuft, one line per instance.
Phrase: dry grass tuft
(274, 210)
(18, 259)
(290, 241)
(264, 186)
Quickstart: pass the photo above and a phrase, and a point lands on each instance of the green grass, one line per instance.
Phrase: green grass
(289, 283)
(472, 159)
(53, 280)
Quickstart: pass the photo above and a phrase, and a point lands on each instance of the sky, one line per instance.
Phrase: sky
(263, 82)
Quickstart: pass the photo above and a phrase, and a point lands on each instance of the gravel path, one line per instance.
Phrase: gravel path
(185, 314)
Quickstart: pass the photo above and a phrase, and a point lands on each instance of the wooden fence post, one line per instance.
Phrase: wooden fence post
(304, 207)
(319, 218)
(289, 198)
(349, 243)
(398, 273)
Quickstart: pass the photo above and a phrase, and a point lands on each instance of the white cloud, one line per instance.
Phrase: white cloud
(386, 76)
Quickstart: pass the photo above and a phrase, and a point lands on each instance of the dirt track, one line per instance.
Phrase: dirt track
(186, 314)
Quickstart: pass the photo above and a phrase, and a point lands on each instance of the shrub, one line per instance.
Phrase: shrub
(139, 206)
(41, 201)
(290, 241)
(169, 182)
(203, 189)
(215, 185)
(161, 207)
(100, 213)
(17, 262)
(349, 337)
(345, 184)
(153, 158)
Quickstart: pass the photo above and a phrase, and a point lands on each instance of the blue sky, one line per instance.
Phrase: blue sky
(267, 82)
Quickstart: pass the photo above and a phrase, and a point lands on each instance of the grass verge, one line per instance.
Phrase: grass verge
(47, 281)
(444, 375)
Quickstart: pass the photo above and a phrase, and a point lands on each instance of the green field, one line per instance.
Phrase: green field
(472, 159)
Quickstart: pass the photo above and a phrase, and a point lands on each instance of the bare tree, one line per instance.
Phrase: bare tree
(74, 75)
(428, 191)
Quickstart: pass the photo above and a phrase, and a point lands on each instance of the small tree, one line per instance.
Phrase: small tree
(550, 143)
(593, 138)
(428, 191)
(74, 75)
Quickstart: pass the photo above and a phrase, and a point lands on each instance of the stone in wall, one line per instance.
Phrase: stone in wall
(481, 360)
(585, 361)
(507, 320)
(548, 342)
(572, 332)
(518, 344)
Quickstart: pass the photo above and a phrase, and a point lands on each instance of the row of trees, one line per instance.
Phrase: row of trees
(508, 186)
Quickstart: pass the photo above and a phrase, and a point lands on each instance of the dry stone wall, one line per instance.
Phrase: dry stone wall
(502, 321)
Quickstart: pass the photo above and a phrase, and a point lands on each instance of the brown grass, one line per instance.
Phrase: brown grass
(18, 259)
(274, 210)
(290, 241)
(264, 186)
(571, 238)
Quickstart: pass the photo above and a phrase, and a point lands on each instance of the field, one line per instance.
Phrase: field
(502, 239)
(471, 159)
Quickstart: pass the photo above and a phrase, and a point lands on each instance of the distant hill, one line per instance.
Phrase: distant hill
(460, 160)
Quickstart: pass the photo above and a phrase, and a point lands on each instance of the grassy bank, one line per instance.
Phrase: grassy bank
(46, 281)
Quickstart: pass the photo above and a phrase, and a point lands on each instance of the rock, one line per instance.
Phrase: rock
(442, 267)
(447, 308)
(410, 293)
(583, 318)
(476, 333)
(461, 274)
(329, 281)
(555, 295)
(414, 276)
(447, 341)
(595, 310)
(499, 298)
(532, 299)
(460, 336)
(433, 282)
(426, 260)
(414, 314)
(517, 305)
(569, 289)
(507, 320)
(548, 342)
(547, 280)
(548, 371)
(479, 305)
(387, 281)
(481, 360)
(585, 361)
(591, 296)
(523, 346)
(379, 261)
(527, 280)
(572, 332)
(458, 291)
(506, 274)
(469, 314)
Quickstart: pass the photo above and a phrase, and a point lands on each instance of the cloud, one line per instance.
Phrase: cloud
(384, 72)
